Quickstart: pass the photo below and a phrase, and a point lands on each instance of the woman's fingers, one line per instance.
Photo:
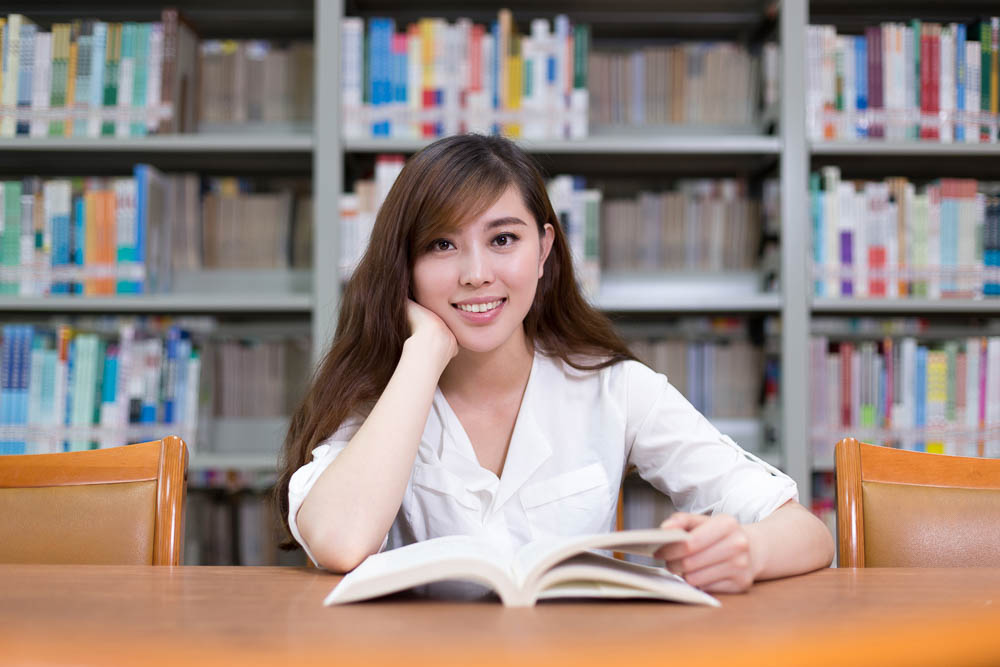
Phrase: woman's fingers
(733, 547)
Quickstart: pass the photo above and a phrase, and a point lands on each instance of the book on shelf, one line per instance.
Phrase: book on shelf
(941, 397)
(722, 379)
(255, 81)
(67, 389)
(540, 570)
(695, 83)
(698, 225)
(916, 81)
(890, 239)
(129, 235)
(437, 78)
(91, 78)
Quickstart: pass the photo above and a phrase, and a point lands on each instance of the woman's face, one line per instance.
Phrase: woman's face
(481, 279)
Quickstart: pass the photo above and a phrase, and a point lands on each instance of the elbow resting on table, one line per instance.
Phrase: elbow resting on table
(336, 554)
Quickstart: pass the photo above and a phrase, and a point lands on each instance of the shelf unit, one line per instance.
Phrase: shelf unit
(673, 151)
(323, 153)
(921, 160)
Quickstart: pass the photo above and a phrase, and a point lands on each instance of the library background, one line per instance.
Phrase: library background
(790, 208)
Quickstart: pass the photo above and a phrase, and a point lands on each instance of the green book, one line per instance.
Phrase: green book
(60, 72)
(112, 58)
(951, 353)
(581, 50)
(10, 233)
(142, 35)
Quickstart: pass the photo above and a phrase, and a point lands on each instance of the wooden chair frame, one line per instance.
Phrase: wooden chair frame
(164, 461)
(857, 462)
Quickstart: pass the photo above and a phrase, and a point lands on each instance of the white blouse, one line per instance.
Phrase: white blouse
(576, 434)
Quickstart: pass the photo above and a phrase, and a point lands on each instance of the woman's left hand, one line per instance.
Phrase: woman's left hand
(718, 555)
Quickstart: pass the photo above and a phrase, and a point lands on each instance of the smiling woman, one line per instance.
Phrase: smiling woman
(471, 389)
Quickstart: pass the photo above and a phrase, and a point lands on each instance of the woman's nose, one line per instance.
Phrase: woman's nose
(476, 268)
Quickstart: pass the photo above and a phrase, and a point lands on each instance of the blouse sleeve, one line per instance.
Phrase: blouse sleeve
(679, 452)
(303, 479)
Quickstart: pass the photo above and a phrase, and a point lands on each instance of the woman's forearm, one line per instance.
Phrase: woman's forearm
(352, 505)
(789, 541)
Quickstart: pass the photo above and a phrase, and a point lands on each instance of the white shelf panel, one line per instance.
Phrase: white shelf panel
(175, 143)
(904, 148)
(654, 145)
(247, 462)
(163, 303)
(911, 306)
(698, 293)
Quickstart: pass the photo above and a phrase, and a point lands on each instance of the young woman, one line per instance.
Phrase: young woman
(470, 389)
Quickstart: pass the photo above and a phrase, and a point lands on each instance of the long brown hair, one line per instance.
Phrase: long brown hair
(451, 180)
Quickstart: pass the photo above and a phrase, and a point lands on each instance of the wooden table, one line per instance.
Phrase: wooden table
(110, 615)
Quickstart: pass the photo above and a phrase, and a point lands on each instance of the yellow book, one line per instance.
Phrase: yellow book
(504, 21)
(937, 395)
(515, 86)
(71, 81)
(426, 92)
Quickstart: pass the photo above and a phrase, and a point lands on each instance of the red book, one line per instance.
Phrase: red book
(925, 80)
(846, 353)
(934, 85)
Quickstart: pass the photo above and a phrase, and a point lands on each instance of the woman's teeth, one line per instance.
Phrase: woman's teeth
(480, 307)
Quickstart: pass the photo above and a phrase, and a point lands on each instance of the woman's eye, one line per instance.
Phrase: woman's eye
(505, 239)
(440, 244)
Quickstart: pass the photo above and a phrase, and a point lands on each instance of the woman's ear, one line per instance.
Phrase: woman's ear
(546, 243)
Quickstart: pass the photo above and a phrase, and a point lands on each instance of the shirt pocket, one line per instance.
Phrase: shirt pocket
(572, 503)
(440, 503)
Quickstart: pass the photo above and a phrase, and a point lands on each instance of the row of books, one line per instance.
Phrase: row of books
(64, 389)
(724, 379)
(90, 78)
(701, 224)
(700, 83)
(437, 78)
(105, 236)
(922, 81)
(255, 377)
(890, 239)
(935, 396)
(255, 81)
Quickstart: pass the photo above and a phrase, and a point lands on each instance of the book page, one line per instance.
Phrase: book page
(534, 558)
(591, 575)
(455, 557)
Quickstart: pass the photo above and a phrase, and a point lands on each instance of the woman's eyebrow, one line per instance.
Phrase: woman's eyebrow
(509, 220)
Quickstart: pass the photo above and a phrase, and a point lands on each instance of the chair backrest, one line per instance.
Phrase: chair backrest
(898, 508)
(123, 505)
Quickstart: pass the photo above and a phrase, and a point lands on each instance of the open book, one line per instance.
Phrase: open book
(540, 570)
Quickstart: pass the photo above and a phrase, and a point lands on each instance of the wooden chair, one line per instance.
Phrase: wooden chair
(123, 505)
(898, 508)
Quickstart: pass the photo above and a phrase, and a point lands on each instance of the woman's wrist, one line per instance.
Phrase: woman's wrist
(758, 549)
(428, 348)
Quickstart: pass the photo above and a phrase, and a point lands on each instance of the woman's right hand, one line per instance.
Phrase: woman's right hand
(430, 330)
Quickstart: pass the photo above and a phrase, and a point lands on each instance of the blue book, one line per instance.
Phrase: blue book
(861, 81)
(816, 205)
(78, 230)
(960, 74)
(6, 370)
(170, 376)
(141, 174)
(920, 416)
(60, 248)
(98, 49)
(991, 243)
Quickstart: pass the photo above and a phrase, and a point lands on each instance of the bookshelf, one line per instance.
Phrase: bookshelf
(326, 155)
